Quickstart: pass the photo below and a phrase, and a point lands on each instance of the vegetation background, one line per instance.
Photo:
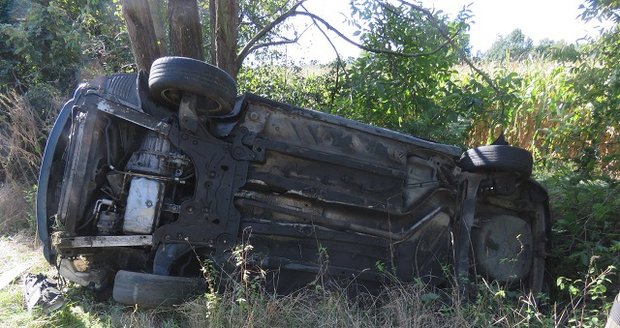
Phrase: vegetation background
(561, 101)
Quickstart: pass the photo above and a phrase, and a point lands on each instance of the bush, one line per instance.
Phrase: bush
(585, 244)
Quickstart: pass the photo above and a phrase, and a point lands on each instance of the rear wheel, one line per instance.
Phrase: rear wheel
(503, 247)
(501, 158)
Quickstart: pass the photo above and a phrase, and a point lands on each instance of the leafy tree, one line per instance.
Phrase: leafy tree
(513, 46)
(308, 87)
(54, 42)
(601, 10)
(103, 36)
(409, 91)
(41, 48)
(557, 50)
(234, 29)
(598, 83)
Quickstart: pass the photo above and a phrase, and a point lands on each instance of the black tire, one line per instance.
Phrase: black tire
(500, 158)
(149, 290)
(170, 77)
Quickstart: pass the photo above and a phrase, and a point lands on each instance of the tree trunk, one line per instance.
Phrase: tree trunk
(141, 32)
(212, 30)
(157, 16)
(185, 32)
(225, 30)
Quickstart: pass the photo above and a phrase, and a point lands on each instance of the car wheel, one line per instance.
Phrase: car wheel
(497, 158)
(170, 77)
(502, 246)
(150, 290)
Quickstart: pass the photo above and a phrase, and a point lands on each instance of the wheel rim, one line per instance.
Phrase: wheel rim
(204, 105)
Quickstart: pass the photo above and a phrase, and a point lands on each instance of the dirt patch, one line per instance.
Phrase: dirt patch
(20, 249)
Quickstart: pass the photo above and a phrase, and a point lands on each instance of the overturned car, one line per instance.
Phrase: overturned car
(146, 177)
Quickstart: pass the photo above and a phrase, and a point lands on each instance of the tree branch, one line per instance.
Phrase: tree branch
(370, 49)
(248, 46)
(338, 63)
(257, 19)
(272, 43)
(252, 44)
(283, 41)
(443, 31)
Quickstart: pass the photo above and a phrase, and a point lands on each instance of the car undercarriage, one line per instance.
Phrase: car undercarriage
(144, 177)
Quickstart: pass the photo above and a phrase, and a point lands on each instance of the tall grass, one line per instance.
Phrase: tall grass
(398, 305)
(547, 113)
(23, 131)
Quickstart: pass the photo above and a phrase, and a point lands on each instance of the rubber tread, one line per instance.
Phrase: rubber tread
(149, 290)
(497, 158)
(191, 75)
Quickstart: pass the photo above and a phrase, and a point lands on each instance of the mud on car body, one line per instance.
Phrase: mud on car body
(144, 177)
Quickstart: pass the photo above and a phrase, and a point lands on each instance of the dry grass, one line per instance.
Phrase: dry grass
(18, 249)
(23, 131)
(402, 305)
(249, 305)
(16, 212)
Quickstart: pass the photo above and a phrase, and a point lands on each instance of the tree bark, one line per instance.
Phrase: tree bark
(141, 32)
(157, 16)
(225, 31)
(185, 32)
(212, 30)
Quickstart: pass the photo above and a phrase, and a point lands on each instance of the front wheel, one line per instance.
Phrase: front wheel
(150, 290)
(170, 77)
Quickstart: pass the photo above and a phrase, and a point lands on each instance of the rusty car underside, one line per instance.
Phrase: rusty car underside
(142, 183)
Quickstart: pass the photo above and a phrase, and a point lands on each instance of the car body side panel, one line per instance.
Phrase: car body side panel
(354, 125)
(309, 153)
(43, 219)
